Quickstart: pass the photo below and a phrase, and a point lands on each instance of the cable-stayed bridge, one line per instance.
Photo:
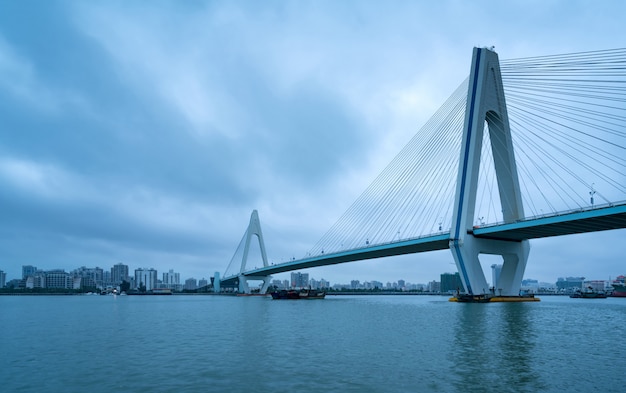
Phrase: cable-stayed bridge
(523, 149)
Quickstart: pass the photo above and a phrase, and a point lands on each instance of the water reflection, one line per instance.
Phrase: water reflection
(494, 348)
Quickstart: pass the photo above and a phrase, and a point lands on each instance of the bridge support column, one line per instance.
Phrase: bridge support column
(467, 258)
(245, 288)
(486, 105)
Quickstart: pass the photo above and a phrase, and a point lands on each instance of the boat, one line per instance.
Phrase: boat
(487, 298)
(312, 294)
(619, 287)
(619, 290)
(466, 298)
(295, 294)
(589, 293)
(523, 296)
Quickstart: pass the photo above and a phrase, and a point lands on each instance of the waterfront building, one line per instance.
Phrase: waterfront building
(58, 278)
(35, 280)
(529, 282)
(119, 273)
(401, 284)
(530, 285)
(203, 283)
(596, 285)
(355, 284)
(434, 286)
(496, 269)
(280, 284)
(451, 282)
(147, 278)
(16, 283)
(299, 280)
(191, 284)
(3, 279)
(171, 280)
(28, 270)
(569, 283)
(91, 276)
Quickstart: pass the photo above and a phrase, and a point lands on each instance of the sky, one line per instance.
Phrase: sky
(146, 132)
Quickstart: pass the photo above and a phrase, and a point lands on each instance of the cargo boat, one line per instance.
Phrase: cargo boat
(589, 293)
(292, 294)
(486, 298)
(619, 287)
(619, 290)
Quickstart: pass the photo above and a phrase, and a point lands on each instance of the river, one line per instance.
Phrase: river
(339, 344)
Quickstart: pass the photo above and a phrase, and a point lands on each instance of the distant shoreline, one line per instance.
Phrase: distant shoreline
(329, 293)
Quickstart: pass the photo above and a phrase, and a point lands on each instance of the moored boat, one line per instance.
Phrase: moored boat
(487, 298)
(619, 290)
(589, 293)
(619, 287)
(301, 294)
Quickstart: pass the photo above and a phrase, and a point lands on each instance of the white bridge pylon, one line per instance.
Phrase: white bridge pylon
(254, 229)
(486, 103)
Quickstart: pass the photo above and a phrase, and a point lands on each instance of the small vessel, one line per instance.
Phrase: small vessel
(589, 293)
(491, 298)
(619, 290)
(619, 287)
(301, 294)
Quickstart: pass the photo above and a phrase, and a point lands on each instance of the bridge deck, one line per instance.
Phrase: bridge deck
(582, 221)
(592, 220)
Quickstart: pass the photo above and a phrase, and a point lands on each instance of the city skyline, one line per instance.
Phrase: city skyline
(129, 138)
(171, 277)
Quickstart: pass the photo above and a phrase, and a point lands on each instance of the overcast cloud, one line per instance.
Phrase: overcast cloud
(146, 132)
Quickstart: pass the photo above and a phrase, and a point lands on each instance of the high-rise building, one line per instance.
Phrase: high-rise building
(28, 270)
(119, 273)
(3, 279)
(451, 282)
(570, 283)
(299, 280)
(191, 284)
(147, 278)
(91, 276)
(203, 282)
(171, 280)
(495, 276)
(434, 286)
(58, 279)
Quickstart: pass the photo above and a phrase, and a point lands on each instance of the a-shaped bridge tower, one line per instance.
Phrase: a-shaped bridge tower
(241, 280)
(486, 104)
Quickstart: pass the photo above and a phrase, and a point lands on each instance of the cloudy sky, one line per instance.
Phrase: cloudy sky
(146, 132)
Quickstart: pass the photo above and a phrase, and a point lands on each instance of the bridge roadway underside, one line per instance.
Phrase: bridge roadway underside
(592, 220)
(584, 221)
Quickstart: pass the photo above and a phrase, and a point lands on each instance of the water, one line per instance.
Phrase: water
(339, 344)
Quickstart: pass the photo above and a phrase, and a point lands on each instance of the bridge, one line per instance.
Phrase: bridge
(516, 136)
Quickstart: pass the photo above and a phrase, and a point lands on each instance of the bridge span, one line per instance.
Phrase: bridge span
(569, 125)
(568, 223)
